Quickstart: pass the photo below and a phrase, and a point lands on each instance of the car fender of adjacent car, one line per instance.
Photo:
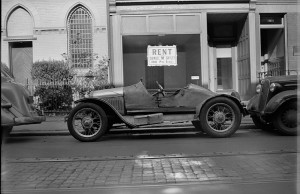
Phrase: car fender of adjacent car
(279, 99)
(7, 118)
(17, 105)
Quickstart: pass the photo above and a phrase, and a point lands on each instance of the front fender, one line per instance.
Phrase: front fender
(279, 99)
(253, 104)
(234, 99)
(107, 107)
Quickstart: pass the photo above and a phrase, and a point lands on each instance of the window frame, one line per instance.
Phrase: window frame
(83, 23)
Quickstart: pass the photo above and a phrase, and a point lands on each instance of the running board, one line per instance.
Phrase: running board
(158, 118)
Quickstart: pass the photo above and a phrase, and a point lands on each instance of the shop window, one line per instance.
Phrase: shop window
(273, 38)
(187, 70)
(80, 37)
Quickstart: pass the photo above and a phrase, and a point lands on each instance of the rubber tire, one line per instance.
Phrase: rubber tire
(204, 124)
(102, 130)
(279, 124)
(5, 131)
(261, 124)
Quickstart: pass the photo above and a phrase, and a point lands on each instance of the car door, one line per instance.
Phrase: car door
(139, 100)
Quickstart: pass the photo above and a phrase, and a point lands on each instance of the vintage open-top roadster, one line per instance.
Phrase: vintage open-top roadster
(218, 115)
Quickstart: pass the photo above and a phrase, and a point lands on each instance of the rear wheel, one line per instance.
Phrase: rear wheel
(220, 117)
(285, 118)
(87, 122)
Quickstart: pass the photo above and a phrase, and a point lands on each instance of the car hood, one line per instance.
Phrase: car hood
(113, 92)
(284, 78)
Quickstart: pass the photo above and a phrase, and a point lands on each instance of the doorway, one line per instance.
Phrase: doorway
(21, 61)
(224, 69)
(272, 52)
(228, 41)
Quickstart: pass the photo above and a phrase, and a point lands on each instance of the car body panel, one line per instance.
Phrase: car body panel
(113, 92)
(17, 104)
(138, 98)
(187, 97)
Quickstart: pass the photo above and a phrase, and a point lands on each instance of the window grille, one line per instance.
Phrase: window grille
(80, 38)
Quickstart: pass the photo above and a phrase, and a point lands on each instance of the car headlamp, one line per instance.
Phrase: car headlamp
(258, 88)
(274, 86)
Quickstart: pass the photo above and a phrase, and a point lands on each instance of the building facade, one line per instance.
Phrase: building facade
(222, 45)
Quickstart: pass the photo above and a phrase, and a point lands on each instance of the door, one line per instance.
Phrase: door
(21, 61)
(224, 77)
(243, 61)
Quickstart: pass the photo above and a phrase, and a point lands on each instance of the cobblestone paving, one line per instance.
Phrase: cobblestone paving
(76, 173)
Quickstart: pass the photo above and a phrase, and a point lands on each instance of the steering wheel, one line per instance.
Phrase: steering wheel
(161, 89)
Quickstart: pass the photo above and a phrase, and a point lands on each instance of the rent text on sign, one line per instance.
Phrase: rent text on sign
(162, 55)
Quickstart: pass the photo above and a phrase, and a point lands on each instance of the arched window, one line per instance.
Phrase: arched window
(80, 37)
(20, 23)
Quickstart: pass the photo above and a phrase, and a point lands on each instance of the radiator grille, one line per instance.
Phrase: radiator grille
(264, 94)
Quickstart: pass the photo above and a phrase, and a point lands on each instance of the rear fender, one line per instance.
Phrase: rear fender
(279, 100)
(7, 118)
(108, 108)
(234, 99)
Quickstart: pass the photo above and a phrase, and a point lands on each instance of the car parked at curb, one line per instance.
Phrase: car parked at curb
(218, 115)
(275, 104)
(16, 105)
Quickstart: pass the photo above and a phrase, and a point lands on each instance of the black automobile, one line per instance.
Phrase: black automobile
(275, 104)
(16, 105)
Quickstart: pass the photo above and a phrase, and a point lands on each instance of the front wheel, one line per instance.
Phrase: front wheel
(220, 117)
(87, 122)
(285, 119)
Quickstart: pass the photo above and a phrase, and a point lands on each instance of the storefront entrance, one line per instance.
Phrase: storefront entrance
(187, 70)
(229, 53)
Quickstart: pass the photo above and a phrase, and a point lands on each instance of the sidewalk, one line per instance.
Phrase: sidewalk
(57, 126)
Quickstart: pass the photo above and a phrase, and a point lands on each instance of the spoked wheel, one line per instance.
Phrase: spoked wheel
(285, 119)
(87, 122)
(220, 117)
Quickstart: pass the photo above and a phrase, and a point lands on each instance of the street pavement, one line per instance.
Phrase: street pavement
(248, 172)
(79, 173)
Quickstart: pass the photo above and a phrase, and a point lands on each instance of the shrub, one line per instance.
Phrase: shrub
(53, 84)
